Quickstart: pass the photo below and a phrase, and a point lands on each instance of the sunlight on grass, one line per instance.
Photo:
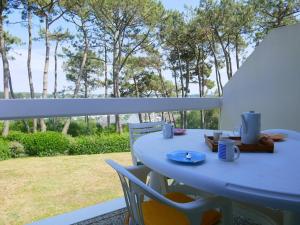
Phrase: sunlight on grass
(36, 188)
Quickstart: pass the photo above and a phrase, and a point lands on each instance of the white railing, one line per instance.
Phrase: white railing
(42, 108)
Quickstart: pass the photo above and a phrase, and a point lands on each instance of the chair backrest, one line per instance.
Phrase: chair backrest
(137, 130)
(133, 181)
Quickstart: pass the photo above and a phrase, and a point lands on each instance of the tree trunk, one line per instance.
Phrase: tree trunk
(137, 94)
(55, 70)
(163, 86)
(175, 81)
(6, 72)
(86, 96)
(79, 77)
(237, 53)
(29, 71)
(220, 81)
(116, 63)
(202, 112)
(187, 84)
(106, 80)
(226, 55)
(200, 81)
(218, 75)
(149, 117)
(12, 95)
(182, 87)
(46, 68)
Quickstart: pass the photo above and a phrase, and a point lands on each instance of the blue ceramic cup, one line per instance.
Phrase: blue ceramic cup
(168, 130)
(227, 150)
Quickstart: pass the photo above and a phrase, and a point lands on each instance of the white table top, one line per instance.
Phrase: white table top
(267, 179)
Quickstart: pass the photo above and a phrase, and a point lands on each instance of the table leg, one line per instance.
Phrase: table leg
(158, 182)
(291, 218)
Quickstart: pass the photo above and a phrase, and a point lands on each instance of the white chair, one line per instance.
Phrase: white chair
(137, 130)
(148, 207)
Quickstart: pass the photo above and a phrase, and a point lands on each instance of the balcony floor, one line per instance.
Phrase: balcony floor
(118, 217)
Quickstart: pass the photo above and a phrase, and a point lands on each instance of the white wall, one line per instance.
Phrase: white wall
(268, 82)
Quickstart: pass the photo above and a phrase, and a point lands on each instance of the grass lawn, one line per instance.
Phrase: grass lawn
(36, 188)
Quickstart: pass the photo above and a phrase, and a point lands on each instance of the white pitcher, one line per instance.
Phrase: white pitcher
(250, 130)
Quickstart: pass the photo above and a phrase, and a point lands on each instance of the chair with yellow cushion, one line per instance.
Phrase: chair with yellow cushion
(148, 207)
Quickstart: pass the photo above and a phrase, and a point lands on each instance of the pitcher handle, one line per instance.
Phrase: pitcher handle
(238, 152)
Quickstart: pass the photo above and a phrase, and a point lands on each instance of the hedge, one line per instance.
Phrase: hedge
(100, 144)
(4, 150)
(46, 144)
(55, 143)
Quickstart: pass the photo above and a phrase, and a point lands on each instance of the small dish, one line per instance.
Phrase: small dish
(275, 137)
(179, 131)
(186, 157)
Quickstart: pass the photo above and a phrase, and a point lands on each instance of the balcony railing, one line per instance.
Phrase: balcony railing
(42, 108)
(45, 108)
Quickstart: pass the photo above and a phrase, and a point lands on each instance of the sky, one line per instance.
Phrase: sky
(18, 65)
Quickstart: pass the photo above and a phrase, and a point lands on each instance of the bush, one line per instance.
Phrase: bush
(100, 144)
(19, 125)
(4, 150)
(16, 149)
(46, 143)
(79, 127)
(16, 136)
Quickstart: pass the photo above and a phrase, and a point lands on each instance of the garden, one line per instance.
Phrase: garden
(33, 186)
(80, 140)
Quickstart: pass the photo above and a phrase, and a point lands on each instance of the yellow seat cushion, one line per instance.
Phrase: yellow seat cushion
(156, 213)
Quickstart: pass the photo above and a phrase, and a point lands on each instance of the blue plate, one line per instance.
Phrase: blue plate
(187, 157)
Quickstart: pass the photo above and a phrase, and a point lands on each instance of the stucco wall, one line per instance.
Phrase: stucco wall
(268, 82)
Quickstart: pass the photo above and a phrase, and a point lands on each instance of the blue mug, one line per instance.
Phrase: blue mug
(227, 150)
(168, 130)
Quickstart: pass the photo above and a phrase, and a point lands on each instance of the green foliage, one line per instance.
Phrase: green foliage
(54, 143)
(273, 14)
(90, 74)
(193, 119)
(100, 144)
(210, 119)
(16, 149)
(46, 144)
(16, 136)
(4, 149)
(11, 40)
(55, 124)
(78, 128)
(19, 125)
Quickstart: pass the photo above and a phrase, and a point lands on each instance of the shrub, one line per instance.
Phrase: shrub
(4, 150)
(79, 127)
(16, 136)
(100, 144)
(20, 125)
(55, 124)
(16, 149)
(46, 144)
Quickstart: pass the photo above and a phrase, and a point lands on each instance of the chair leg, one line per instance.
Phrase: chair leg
(158, 182)
(227, 212)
